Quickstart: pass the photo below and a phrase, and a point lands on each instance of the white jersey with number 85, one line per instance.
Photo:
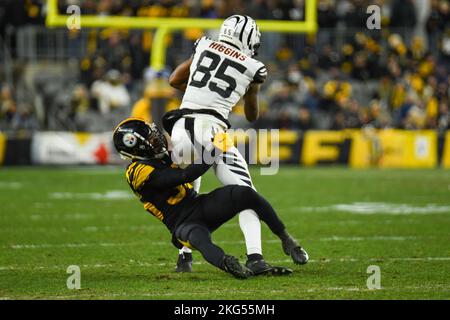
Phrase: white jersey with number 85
(220, 76)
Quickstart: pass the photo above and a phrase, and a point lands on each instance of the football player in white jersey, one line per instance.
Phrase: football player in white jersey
(214, 79)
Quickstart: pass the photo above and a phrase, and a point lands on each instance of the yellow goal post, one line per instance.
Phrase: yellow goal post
(165, 26)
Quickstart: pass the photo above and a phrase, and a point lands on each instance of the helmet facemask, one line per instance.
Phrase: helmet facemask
(157, 141)
(135, 139)
(255, 43)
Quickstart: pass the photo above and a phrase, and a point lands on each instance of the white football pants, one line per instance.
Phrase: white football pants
(231, 169)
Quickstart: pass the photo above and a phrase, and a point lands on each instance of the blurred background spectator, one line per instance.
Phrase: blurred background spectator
(110, 94)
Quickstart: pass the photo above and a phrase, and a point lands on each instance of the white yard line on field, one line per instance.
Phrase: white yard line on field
(94, 229)
(370, 208)
(145, 227)
(372, 238)
(133, 263)
(231, 242)
(10, 185)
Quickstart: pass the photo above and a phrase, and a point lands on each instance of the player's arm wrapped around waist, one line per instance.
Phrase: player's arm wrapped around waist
(173, 177)
(220, 143)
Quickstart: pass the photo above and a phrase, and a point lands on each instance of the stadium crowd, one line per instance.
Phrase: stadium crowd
(345, 76)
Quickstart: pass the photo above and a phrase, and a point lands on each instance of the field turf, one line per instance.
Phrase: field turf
(348, 220)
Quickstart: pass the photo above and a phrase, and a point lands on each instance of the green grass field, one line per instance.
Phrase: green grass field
(347, 219)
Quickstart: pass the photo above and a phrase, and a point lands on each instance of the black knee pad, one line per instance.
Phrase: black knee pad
(192, 233)
(199, 235)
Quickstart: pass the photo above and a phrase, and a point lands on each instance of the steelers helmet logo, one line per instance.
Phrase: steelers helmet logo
(129, 140)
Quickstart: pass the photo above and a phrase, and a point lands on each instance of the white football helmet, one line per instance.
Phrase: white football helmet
(241, 32)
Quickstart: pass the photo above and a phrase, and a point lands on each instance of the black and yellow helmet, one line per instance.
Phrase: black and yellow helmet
(138, 140)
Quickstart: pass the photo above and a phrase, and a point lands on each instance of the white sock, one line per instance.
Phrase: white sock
(196, 184)
(184, 249)
(251, 228)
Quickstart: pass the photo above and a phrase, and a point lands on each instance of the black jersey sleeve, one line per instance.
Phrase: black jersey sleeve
(140, 175)
(173, 177)
(260, 75)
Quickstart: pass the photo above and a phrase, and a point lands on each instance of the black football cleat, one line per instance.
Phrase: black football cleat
(299, 255)
(232, 266)
(261, 267)
(292, 248)
(184, 263)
